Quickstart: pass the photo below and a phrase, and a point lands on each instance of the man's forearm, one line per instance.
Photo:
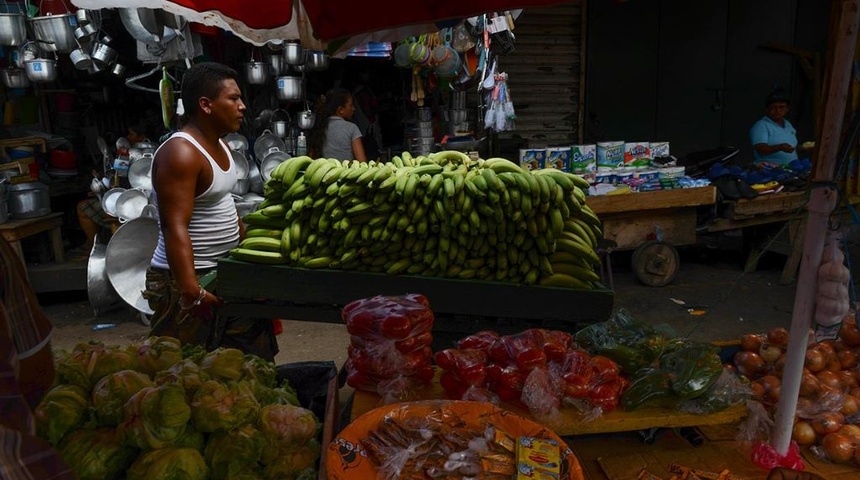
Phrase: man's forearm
(180, 257)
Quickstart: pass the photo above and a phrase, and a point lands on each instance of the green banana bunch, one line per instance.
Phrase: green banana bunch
(443, 214)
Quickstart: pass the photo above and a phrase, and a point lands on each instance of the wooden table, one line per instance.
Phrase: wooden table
(16, 230)
(570, 422)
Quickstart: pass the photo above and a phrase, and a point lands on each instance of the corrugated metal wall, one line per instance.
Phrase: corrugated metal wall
(544, 75)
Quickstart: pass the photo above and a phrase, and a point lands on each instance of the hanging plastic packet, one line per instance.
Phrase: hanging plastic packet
(461, 39)
(832, 299)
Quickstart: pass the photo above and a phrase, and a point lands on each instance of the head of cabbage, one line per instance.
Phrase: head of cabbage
(217, 406)
(113, 391)
(96, 454)
(169, 464)
(63, 409)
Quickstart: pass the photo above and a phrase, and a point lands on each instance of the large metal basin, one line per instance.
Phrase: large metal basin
(128, 255)
(101, 293)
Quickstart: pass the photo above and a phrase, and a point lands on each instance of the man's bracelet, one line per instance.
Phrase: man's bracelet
(196, 302)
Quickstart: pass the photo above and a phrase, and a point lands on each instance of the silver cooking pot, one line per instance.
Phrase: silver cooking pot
(290, 88)
(294, 53)
(41, 70)
(306, 120)
(13, 29)
(104, 54)
(15, 78)
(257, 72)
(80, 59)
(57, 32)
(316, 60)
(29, 200)
(276, 62)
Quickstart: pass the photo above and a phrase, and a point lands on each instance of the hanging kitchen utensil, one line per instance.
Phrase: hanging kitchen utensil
(256, 73)
(265, 143)
(290, 88)
(307, 118)
(57, 32)
(293, 53)
(13, 28)
(41, 70)
(165, 90)
(127, 258)
(80, 58)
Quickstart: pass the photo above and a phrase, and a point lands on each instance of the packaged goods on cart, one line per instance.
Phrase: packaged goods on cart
(637, 154)
(448, 439)
(389, 351)
(659, 149)
(157, 410)
(610, 154)
(583, 160)
(538, 369)
(533, 158)
(558, 158)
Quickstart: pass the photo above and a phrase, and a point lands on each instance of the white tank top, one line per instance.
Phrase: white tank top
(214, 225)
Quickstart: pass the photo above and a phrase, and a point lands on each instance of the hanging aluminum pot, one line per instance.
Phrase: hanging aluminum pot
(41, 70)
(294, 53)
(257, 73)
(118, 70)
(80, 59)
(15, 78)
(279, 128)
(276, 62)
(104, 54)
(316, 61)
(290, 88)
(56, 32)
(13, 29)
(307, 119)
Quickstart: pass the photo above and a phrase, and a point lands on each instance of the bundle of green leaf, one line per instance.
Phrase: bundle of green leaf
(664, 370)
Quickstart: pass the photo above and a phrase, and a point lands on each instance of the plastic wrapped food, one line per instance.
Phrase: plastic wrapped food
(390, 340)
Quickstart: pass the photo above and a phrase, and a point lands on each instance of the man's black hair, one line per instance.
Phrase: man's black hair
(777, 95)
(203, 80)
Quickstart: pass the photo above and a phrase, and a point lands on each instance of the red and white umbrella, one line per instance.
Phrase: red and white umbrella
(315, 22)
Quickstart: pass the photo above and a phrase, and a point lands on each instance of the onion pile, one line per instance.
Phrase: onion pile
(828, 408)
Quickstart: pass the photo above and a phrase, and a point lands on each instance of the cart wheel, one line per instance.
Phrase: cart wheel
(656, 263)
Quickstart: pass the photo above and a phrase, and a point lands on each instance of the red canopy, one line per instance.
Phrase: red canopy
(259, 21)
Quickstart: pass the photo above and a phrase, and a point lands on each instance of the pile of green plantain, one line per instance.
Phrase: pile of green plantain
(440, 215)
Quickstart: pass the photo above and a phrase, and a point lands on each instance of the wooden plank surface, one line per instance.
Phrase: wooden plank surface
(656, 200)
(570, 422)
(14, 230)
(278, 287)
(770, 203)
(631, 229)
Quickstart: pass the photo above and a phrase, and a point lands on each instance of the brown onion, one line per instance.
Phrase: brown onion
(839, 448)
(751, 342)
(805, 406)
(847, 359)
(826, 347)
(849, 333)
(851, 431)
(771, 397)
(814, 360)
(809, 384)
(855, 392)
(750, 364)
(778, 336)
(757, 391)
(803, 434)
(769, 382)
(847, 380)
(840, 345)
(834, 366)
(826, 377)
(770, 353)
(826, 423)
(850, 406)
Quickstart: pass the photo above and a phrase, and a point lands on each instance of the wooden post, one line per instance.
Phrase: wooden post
(823, 198)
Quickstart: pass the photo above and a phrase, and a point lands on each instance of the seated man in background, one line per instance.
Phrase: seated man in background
(26, 374)
(773, 137)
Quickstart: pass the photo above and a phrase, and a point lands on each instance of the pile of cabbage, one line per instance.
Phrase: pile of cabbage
(158, 411)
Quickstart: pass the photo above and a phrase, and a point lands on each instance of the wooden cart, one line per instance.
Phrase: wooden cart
(461, 306)
(652, 224)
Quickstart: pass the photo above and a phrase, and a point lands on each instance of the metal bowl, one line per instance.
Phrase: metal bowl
(130, 204)
(41, 70)
(271, 161)
(236, 142)
(127, 257)
(109, 200)
(13, 29)
(265, 143)
(15, 78)
(140, 173)
(241, 163)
